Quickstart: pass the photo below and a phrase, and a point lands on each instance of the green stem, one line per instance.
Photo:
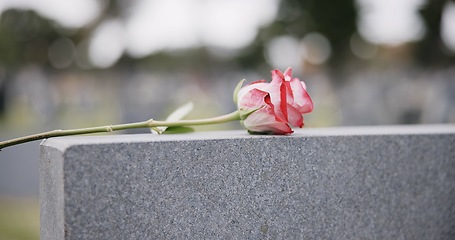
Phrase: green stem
(234, 116)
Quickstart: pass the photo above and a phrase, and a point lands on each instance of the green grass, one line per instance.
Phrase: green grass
(19, 219)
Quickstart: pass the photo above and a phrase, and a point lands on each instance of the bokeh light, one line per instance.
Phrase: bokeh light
(107, 44)
(283, 52)
(317, 48)
(61, 53)
(158, 25)
(448, 26)
(389, 21)
(68, 13)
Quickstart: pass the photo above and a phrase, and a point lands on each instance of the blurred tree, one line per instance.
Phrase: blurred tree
(24, 38)
(335, 20)
(431, 50)
(2, 93)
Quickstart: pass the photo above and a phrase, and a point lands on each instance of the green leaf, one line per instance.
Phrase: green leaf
(180, 112)
(176, 115)
(237, 89)
(179, 129)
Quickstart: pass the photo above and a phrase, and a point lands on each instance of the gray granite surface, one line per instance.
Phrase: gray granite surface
(394, 182)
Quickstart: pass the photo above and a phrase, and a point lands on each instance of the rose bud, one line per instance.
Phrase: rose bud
(275, 107)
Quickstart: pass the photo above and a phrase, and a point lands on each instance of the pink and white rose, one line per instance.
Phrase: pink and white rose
(274, 107)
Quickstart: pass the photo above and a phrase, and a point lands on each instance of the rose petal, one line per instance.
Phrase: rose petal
(303, 84)
(258, 81)
(277, 74)
(243, 94)
(295, 117)
(278, 94)
(302, 101)
(266, 120)
(252, 99)
(259, 122)
(289, 93)
(288, 74)
(308, 105)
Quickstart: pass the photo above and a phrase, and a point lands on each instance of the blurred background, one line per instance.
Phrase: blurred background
(79, 63)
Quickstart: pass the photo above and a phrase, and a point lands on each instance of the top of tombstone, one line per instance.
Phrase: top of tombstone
(62, 143)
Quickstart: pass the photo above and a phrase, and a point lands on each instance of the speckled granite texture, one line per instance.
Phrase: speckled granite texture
(337, 183)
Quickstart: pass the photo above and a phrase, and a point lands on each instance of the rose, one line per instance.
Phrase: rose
(276, 106)
(262, 107)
